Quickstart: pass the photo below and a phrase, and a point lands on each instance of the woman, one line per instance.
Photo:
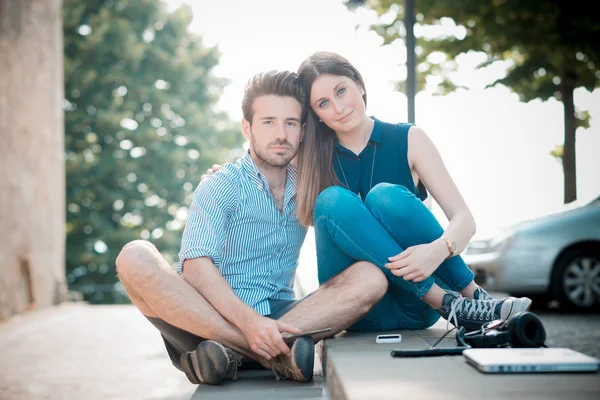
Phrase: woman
(361, 183)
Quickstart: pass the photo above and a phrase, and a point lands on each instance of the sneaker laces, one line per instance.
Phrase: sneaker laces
(474, 309)
(482, 294)
(281, 369)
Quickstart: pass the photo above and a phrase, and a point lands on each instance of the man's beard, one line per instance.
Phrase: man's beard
(272, 160)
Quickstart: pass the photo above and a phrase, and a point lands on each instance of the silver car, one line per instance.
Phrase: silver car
(553, 257)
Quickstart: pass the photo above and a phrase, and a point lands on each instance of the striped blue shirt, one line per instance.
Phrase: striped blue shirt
(235, 221)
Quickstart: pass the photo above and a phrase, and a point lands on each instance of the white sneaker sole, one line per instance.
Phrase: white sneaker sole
(520, 304)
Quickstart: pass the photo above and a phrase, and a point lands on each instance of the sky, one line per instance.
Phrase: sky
(495, 147)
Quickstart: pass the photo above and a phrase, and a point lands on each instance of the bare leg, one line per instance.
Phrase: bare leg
(341, 301)
(158, 291)
(434, 296)
(469, 290)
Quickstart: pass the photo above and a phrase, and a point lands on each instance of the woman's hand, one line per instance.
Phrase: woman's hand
(417, 263)
(211, 170)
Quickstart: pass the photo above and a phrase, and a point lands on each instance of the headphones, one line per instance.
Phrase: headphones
(524, 329)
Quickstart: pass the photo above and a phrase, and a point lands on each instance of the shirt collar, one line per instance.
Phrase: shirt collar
(251, 169)
(256, 177)
(377, 128)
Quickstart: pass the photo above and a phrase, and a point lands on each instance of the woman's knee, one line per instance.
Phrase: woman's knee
(332, 198)
(387, 197)
(387, 194)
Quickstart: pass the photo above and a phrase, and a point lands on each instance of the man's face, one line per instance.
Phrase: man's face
(276, 130)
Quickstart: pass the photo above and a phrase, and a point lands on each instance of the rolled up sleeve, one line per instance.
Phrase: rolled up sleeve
(205, 230)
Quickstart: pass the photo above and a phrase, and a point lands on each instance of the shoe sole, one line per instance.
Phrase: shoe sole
(185, 362)
(211, 362)
(522, 305)
(209, 367)
(304, 355)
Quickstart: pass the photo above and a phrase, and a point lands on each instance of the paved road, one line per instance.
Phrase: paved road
(579, 332)
(78, 351)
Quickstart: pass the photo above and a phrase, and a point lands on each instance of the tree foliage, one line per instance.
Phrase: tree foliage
(140, 125)
(550, 48)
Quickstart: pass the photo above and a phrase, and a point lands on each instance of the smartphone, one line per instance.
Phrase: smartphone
(391, 338)
(309, 333)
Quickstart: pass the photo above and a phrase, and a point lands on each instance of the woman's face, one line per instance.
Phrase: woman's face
(337, 101)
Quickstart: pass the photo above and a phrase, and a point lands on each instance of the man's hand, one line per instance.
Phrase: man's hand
(264, 336)
(417, 263)
(211, 170)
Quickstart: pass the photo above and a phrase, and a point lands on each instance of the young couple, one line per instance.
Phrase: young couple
(384, 262)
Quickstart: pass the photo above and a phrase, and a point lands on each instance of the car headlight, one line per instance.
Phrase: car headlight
(477, 247)
(499, 242)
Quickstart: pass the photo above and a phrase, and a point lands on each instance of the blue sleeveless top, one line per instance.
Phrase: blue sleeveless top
(384, 159)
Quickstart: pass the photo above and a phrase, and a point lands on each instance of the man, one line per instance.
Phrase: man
(239, 255)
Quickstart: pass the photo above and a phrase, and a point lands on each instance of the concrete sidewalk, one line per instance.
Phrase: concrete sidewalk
(79, 351)
(261, 385)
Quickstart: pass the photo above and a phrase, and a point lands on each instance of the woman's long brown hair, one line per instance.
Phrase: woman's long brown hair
(315, 156)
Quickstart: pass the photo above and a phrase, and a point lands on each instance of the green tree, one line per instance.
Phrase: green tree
(550, 48)
(141, 126)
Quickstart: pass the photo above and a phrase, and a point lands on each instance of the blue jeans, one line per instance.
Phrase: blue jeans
(390, 220)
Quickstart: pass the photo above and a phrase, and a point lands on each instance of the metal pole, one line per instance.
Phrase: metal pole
(409, 22)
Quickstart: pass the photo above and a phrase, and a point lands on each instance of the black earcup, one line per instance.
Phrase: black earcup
(526, 330)
(491, 338)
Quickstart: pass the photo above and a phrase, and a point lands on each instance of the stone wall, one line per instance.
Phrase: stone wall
(32, 174)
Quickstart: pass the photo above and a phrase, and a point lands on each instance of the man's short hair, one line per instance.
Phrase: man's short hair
(277, 83)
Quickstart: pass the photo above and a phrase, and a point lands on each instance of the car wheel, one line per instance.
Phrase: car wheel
(576, 279)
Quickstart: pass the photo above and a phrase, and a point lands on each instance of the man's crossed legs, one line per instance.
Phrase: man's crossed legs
(203, 344)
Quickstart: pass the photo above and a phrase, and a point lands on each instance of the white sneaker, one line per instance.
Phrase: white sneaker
(520, 304)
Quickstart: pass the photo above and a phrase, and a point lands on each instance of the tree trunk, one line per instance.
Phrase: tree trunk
(32, 173)
(568, 158)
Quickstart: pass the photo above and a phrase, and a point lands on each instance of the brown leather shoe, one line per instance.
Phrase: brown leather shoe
(297, 366)
(210, 363)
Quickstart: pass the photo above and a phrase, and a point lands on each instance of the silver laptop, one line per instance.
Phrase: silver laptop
(511, 360)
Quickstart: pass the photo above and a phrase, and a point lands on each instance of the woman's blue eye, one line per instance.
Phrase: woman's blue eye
(323, 103)
(291, 123)
(341, 91)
